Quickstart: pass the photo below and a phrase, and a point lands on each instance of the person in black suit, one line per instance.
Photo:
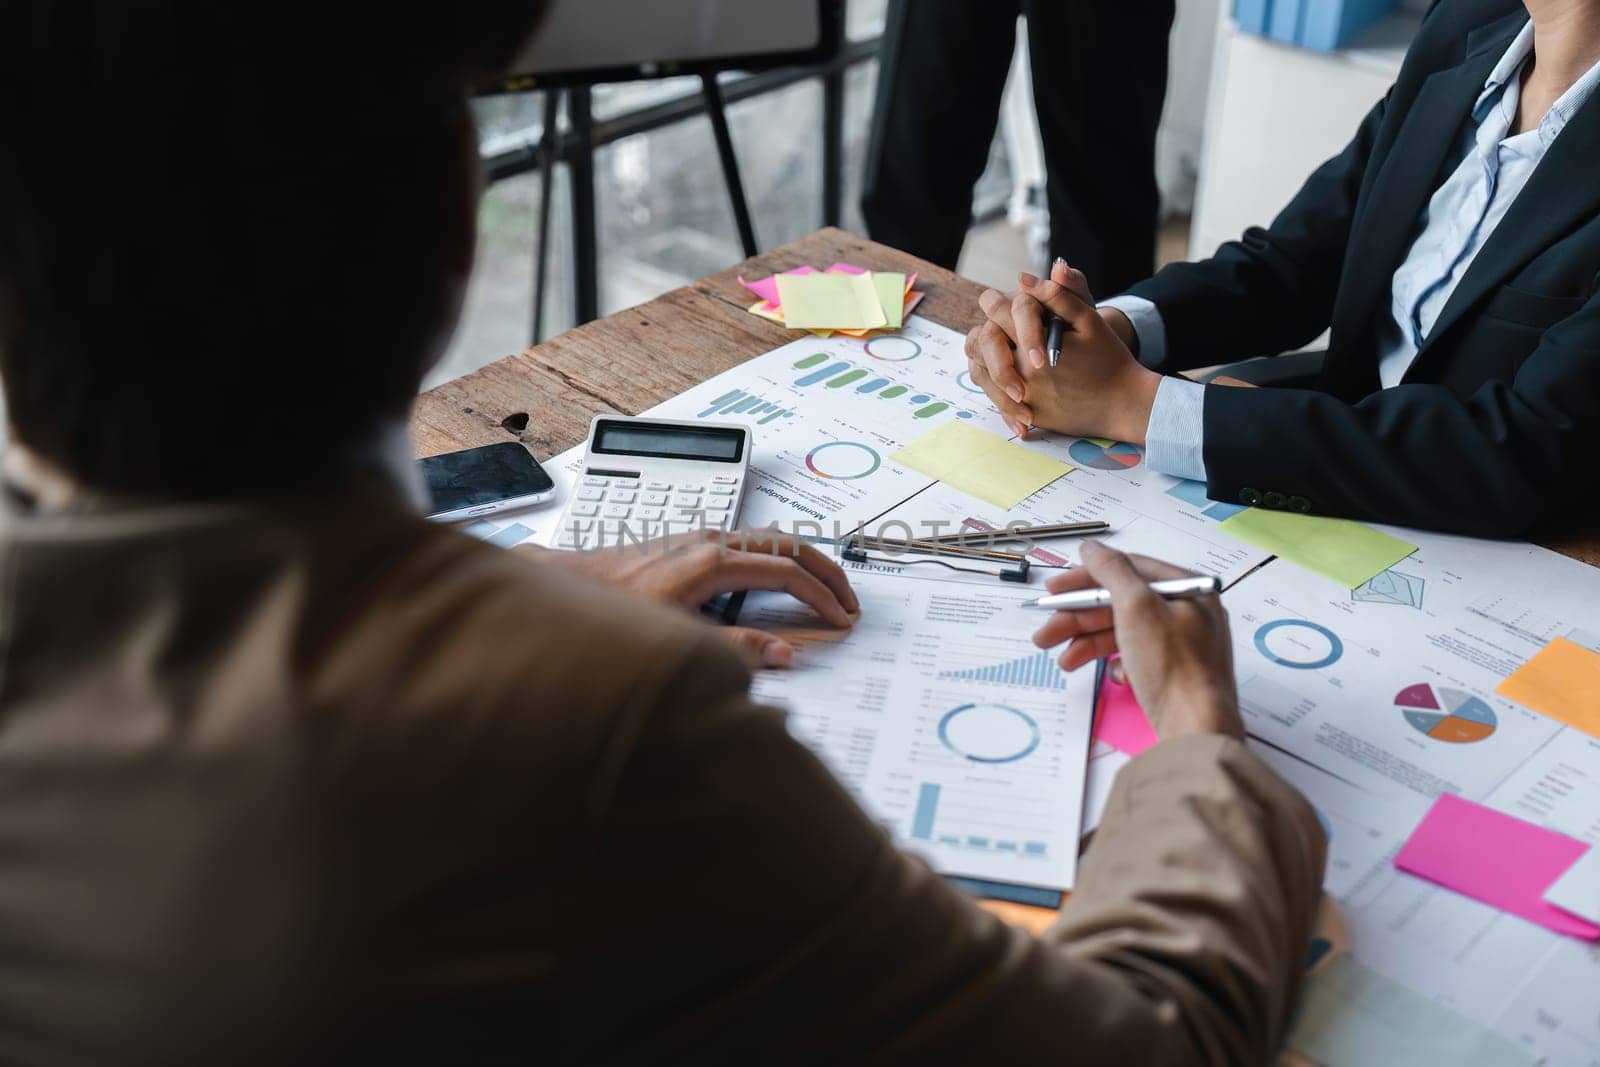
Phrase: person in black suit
(1099, 80)
(1453, 247)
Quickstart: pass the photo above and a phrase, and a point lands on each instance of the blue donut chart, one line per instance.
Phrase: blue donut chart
(1010, 757)
(1335, 646)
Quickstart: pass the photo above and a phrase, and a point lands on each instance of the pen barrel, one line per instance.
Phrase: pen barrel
(1167, 589)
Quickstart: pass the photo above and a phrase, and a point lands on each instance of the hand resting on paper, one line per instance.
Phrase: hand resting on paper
(1097, 390)
(686, 570)
(1176, 654)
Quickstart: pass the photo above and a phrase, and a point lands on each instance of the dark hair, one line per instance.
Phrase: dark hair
(228, 230)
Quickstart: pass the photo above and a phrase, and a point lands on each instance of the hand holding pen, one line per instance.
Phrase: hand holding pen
(1176, 653)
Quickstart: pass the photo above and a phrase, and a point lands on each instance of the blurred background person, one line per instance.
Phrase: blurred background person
(1099, 73)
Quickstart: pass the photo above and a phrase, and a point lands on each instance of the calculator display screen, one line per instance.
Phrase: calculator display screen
(665, 441)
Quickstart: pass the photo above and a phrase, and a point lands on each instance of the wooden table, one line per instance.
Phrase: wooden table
(633, 360)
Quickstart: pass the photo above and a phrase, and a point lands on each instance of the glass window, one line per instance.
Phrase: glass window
(863, 19)
(497, 315)
(664, 214)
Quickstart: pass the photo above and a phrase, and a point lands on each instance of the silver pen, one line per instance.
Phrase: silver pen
(1166, 589)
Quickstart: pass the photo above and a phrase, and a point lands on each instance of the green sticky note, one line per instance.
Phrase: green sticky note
(1351, 1014)
(1345, 551)
(830, 302)
(994, 470)
(891, 289)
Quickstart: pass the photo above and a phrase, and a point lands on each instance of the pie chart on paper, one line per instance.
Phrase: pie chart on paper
(1445, 714)
(1104, 455)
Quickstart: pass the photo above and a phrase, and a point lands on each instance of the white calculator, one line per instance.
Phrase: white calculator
(646, 477)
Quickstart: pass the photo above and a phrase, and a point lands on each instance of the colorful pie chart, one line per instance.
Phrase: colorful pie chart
(1105, 455)
(1445, 714)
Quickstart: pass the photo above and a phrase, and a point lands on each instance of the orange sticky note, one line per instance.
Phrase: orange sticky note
(1563, 682)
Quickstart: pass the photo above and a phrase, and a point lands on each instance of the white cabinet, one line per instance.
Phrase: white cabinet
(1275, 113)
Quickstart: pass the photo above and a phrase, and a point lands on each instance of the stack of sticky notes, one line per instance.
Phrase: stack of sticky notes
(843, 299)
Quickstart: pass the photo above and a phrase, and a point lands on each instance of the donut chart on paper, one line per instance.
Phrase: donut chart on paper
(989, 733)
(843, 460)
(1299, 644)
(892, 349)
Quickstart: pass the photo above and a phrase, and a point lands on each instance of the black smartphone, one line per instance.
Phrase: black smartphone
(482, 481)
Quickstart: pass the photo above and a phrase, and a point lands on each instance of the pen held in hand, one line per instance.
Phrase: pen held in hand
(1058, 329)
(1166, 589)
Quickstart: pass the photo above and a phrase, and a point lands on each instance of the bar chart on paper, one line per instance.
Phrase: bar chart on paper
(1038, 671)
(966, 824)
(827, 415)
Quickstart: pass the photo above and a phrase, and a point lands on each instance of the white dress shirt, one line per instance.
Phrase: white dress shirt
(1460, 217)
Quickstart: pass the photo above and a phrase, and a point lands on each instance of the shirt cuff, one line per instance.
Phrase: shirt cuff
(1175, 438)
(1147, 326)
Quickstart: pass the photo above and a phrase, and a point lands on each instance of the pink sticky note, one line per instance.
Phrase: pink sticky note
(1496, 858)
(847, 268)
(767, 288)
(1121, 722)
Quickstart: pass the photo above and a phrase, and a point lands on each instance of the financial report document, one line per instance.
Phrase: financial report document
(1375, 701)
(942, 718)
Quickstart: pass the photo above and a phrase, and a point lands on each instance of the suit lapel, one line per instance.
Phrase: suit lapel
(1561, 193)
(1416, 165)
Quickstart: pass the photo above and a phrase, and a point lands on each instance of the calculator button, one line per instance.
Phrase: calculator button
(682, 527)
(681, 515)
(722, 490)
(593, 480)
(686, 500)
(719, 503)
(591, 494)
(622, 496)
(625, 483)
(618, 511)
(586, 511)
(655, 514)
(647, 531)
(725, 479)
(659, 487)
(654, 500)
(691, 488)
(568, 540)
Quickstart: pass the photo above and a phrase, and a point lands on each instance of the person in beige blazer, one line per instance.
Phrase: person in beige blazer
(289, 774)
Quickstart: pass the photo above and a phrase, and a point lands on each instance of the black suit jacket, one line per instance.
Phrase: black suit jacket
(1495, 429)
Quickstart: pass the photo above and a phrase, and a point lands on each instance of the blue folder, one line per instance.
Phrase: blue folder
(1283, 20)
(1251, 15)
(1329, 24)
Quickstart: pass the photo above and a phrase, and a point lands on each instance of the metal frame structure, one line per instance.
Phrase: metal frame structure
(575, 144)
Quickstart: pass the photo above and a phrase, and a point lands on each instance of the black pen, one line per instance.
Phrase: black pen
(1058, 328)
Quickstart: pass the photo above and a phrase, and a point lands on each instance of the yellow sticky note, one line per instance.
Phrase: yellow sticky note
(829, 302)
(1345, 551)
(1563, 682)
(990, 468)
(891, 290)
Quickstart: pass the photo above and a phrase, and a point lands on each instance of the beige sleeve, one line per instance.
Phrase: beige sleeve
(735, 905)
